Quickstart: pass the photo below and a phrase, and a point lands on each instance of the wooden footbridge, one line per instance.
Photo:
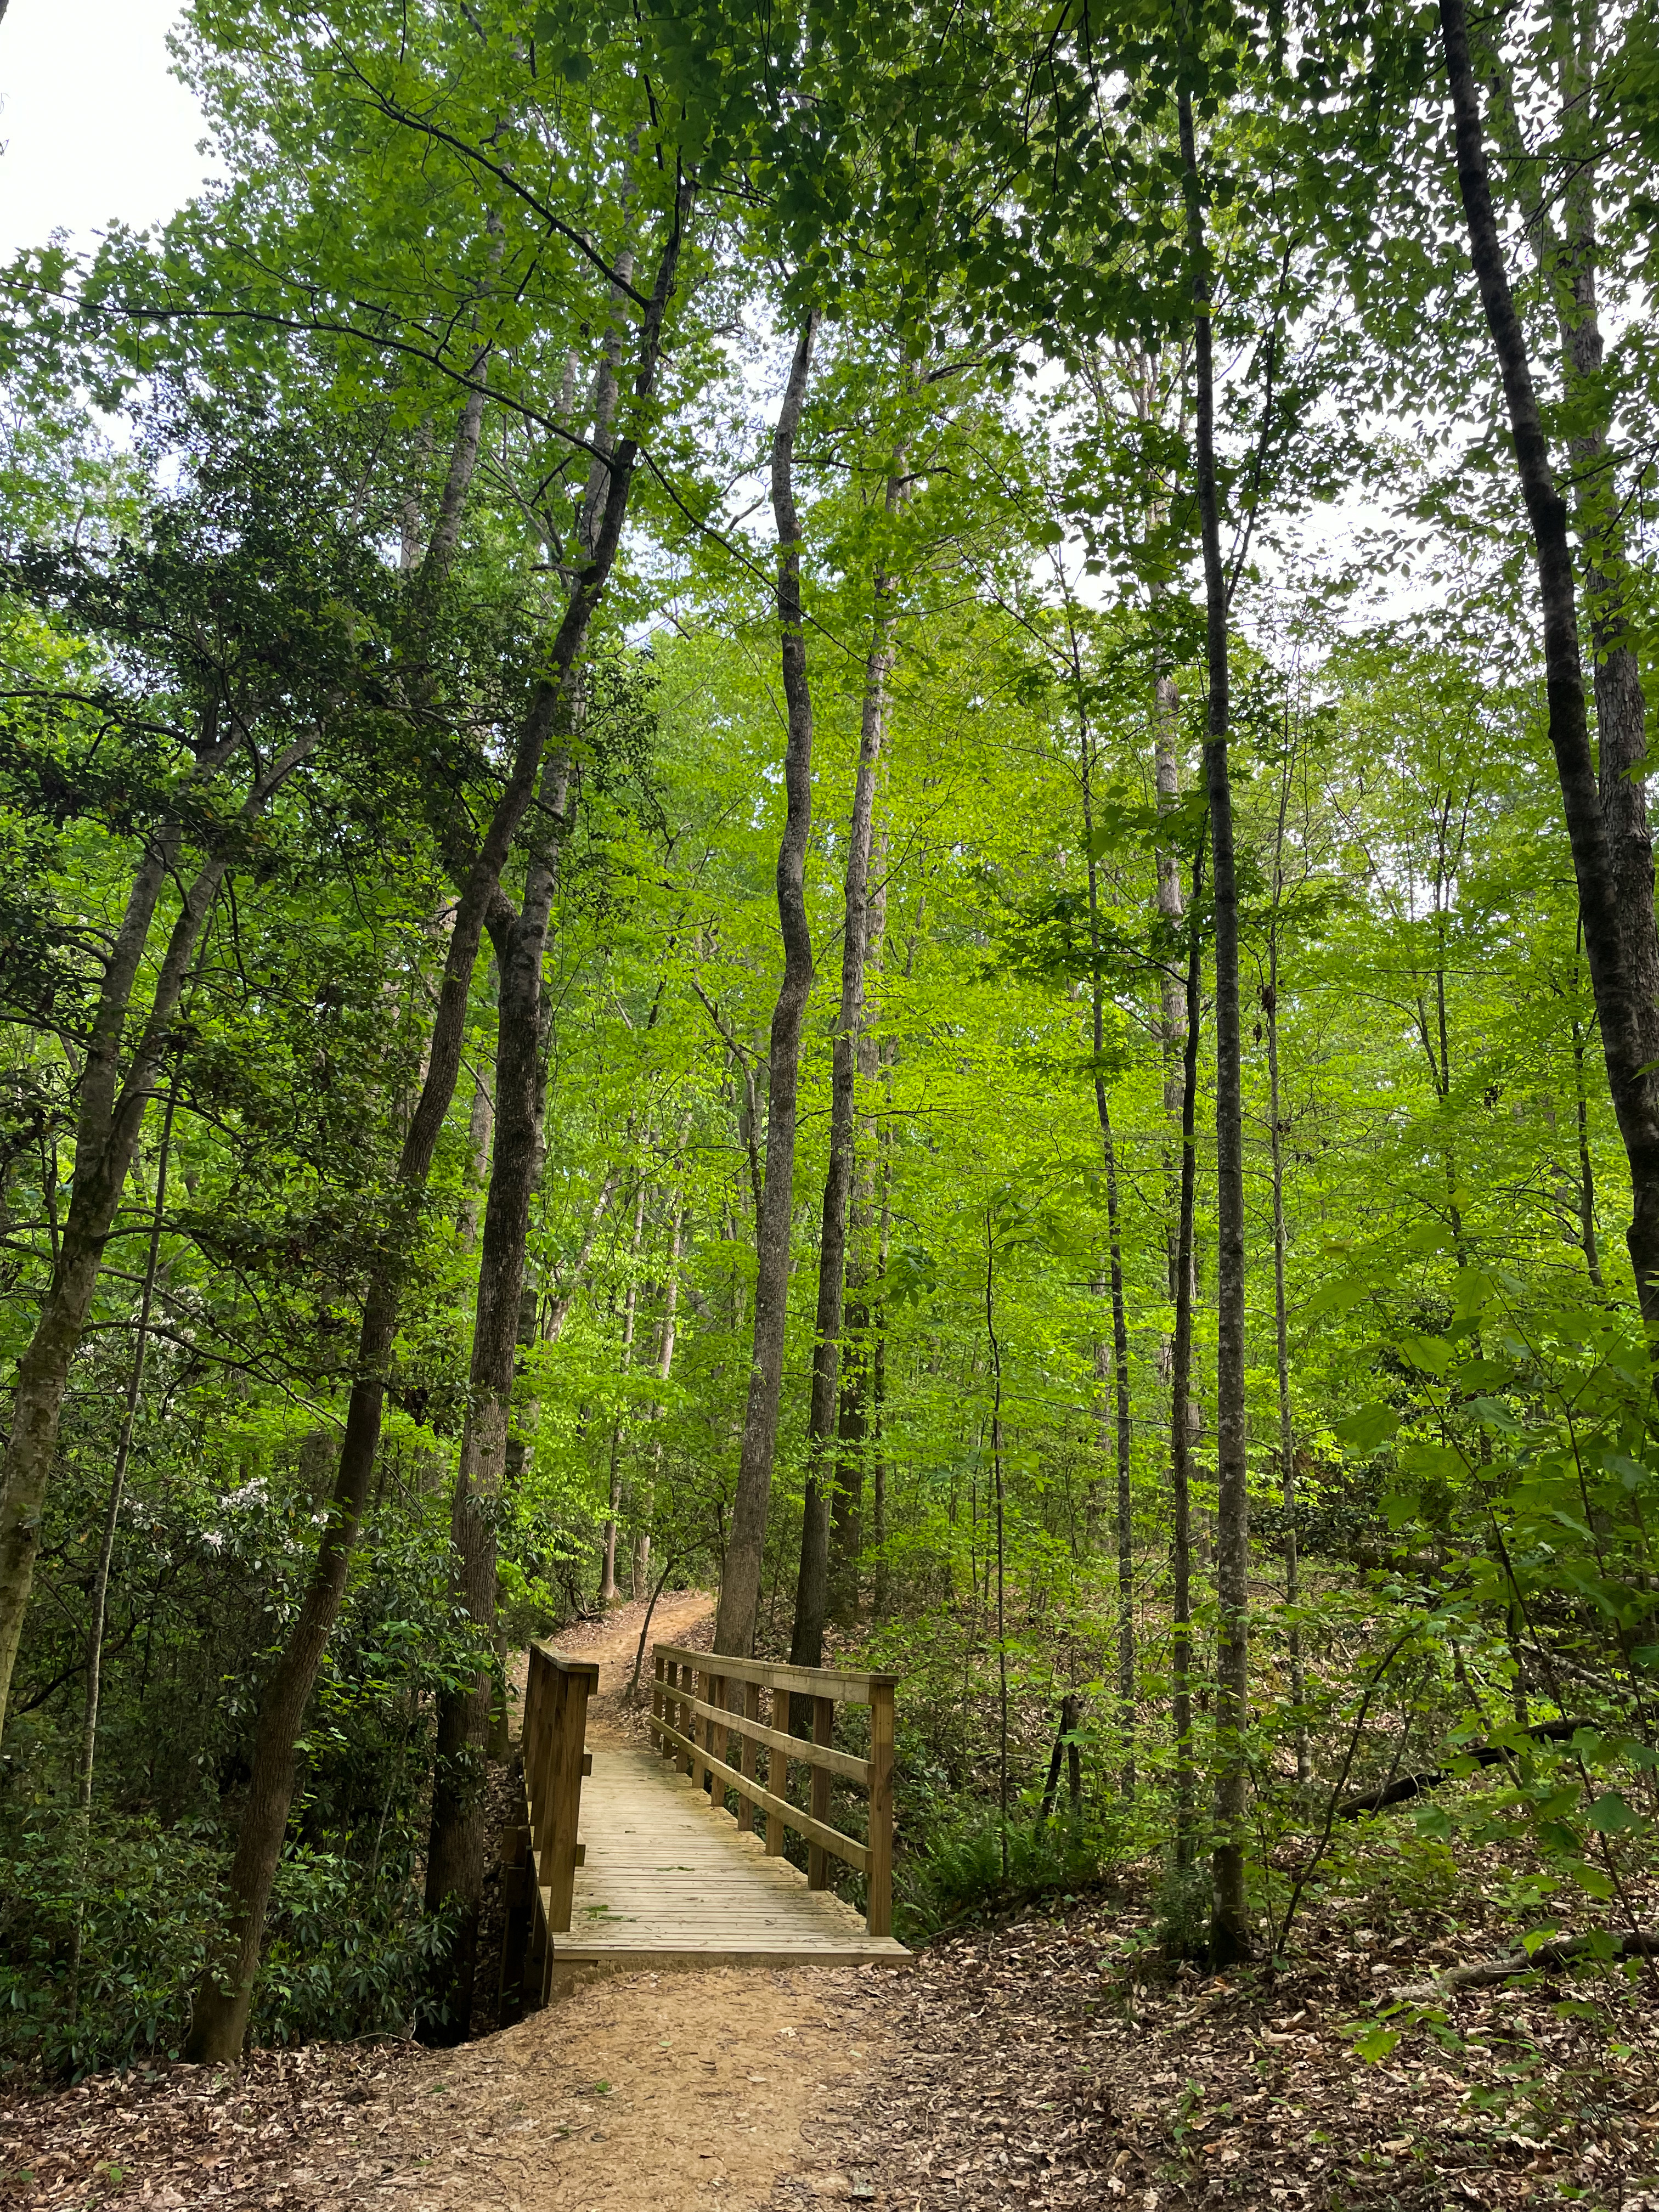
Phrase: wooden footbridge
(629, 1858)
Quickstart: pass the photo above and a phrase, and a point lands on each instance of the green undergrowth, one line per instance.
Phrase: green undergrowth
(974, 1868)
(341, 1959)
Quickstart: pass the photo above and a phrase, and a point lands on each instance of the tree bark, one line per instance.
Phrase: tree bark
(1281, 1327)
(1615, 896)
(855, 1430)
(1181, 1368)
(740, 1581)
(631, 1306)
(456, 1846)
(812, 1582)
(99, 1609)
(1230, 1937)
(1119, 1357)
(670, 1293)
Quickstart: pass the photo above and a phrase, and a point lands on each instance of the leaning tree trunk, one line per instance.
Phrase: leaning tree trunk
(225, 1993)
(456, 1847)
(812, 1582)
(1615, 894)
(110, 1113)
(740, 1578)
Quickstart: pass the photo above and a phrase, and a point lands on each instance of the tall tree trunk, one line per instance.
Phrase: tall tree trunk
(670, 1293)
(225, 1993)
(111, 1521)
(853, 1429)
(1181, 1372)
(1586, 1172)
(738, 1609)
(631, 1304)
(1615, 892)
(812, 1582)
(1229, 1934)
(881, 1577)
(1120, 1359)
(455, 1851)
(1276, 1126)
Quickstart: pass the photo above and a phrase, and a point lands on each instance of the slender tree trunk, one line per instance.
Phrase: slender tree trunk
(631, 1303)
(665, 1364)
(740, 1579)
(854, 1430)
(1001, 1538)
(812, 1582)
(1231, 1933)
(1615, 895)
(111, 1522)
(1120, 1363)
(225, 1995)
(1281, 1331)
(1586, 1172)
(881, 1580)
(110, 1113)
(1181, 1370)
(455, 1851)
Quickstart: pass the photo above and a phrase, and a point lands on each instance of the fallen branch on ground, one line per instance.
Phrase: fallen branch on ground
(1407, 1786)
(1551, 1958)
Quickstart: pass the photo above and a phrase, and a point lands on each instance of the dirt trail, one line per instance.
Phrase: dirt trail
(680, 1617)
(645, 2092)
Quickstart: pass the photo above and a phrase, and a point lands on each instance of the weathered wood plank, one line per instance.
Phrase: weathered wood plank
(818, 1831)
(825, 1755)
(812, 1682)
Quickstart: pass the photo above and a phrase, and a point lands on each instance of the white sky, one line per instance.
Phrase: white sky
(91, 124)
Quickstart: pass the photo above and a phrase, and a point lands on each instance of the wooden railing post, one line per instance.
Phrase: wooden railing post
(682, 1715)
(657, 1666)
(777, 1774)
(714, 1739)
(568, 1736)
(823, 1732)
(878, 1877)
(750, 1712)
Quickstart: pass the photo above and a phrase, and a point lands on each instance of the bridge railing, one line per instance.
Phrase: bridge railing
(693, 1719)
(541, 1854)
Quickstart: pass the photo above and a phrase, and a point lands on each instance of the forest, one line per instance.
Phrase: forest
(846, 805)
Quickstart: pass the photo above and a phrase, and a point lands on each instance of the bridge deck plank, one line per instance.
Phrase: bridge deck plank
(668, 1876)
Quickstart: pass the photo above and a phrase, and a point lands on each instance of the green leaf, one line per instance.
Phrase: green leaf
(1373, 2042)
(1592, 1882)
(1362, 1432)
(1431, 1354)
(1610, 1815)
(1483, 1374)
(1492, 1413)
(1471, 1291)
(1337, 1296)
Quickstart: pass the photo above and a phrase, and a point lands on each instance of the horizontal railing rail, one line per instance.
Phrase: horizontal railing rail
(693, 1722)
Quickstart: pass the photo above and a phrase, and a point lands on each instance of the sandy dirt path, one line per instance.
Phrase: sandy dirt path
(644, 2092)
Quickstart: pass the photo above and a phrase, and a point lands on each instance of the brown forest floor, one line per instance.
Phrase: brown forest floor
(1054, 2063)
